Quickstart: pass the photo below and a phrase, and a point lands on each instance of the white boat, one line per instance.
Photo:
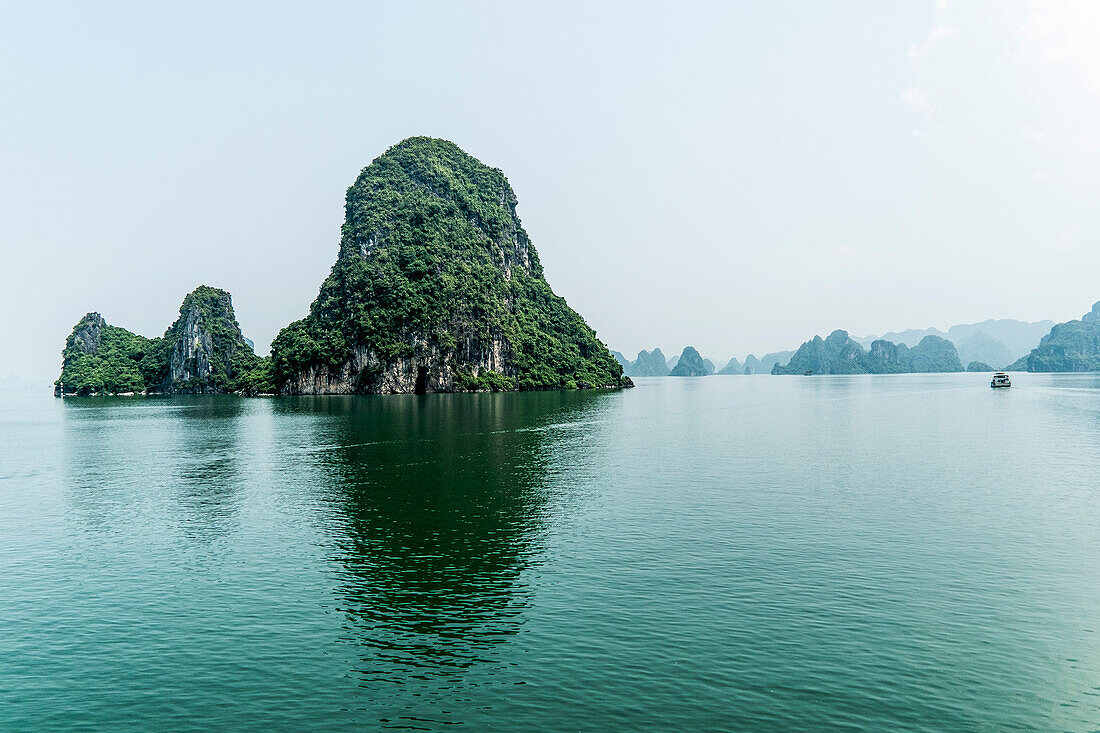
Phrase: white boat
(1000, 379)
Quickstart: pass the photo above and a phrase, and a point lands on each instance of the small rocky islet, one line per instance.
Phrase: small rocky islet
(202, 352)
(436, 288)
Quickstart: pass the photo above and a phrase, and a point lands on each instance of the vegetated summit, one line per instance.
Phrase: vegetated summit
(437, 288)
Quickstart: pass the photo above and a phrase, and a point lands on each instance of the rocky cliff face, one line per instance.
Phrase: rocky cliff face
(87, 334)
(432, 370)
(189, 367)
(437, 288)
(206, 351)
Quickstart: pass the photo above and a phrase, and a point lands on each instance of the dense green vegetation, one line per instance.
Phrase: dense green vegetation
(102, 358)
(203, 351)
(840, 354)
(434, 266)
(260, 379)
(979, 366)
(1073, 346)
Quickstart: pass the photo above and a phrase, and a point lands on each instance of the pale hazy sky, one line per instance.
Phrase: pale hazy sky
(737, 176)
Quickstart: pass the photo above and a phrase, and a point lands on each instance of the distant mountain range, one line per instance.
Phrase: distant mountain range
(653, 364)
(996, 342)
(840, 354)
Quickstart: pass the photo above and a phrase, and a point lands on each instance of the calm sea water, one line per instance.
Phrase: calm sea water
(913, 552)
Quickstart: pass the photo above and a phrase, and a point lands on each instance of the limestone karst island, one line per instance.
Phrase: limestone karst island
(437, 288)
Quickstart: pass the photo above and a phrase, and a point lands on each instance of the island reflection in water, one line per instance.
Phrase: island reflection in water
(437, 505)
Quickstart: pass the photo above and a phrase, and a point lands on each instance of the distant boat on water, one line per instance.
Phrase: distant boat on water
(1000, 379)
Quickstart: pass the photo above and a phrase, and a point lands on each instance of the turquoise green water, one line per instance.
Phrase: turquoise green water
(912, 552)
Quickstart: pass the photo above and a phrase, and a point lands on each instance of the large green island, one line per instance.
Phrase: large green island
(436, 288)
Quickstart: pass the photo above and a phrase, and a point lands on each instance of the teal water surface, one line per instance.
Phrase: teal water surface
(911, 552)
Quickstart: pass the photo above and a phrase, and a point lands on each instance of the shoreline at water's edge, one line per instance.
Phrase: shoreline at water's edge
(627, 384)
